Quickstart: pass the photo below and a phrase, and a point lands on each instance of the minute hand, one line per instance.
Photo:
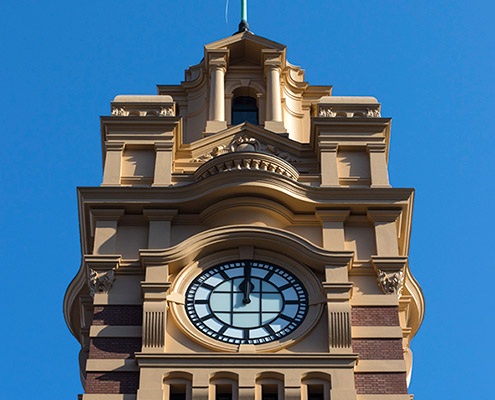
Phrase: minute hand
(246, 284)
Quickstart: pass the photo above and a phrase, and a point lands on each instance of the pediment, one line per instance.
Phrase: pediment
(246, 138)
(245, 48)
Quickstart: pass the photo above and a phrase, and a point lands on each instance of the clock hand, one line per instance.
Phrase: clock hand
(246, 286)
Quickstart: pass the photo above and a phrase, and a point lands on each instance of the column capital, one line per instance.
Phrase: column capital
(390, 215)
(328, 146)
(376, 147)
(160, 214)
(114, 146)
(218, 58)
(390, 273)
(272, 58)
(165, 145)
(332, 214)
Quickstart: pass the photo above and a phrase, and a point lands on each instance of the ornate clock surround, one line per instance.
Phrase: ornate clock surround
(301, 272)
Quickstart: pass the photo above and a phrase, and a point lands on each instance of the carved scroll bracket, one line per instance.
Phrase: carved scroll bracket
(101, 272)
(390, 274)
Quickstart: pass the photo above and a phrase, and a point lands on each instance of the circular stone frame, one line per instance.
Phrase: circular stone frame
(187, 275)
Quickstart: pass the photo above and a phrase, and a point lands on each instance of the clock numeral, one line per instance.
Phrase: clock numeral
(206, 317)
(285, 287)
(286, 318)
(269, 329)
(269, 275)
(224, 275)
(206, 286)
(222, 331)
(292, 302)
(201, 302)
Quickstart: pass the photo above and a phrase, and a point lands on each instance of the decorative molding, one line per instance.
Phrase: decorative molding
(100, 282)
(348, 111)
(154, 329)
(119, 112)
(246, 161)
(245, 143)
(167, 111)
(326, 112)
(340, 329)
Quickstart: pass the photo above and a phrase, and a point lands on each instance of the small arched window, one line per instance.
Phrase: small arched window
(244, 109)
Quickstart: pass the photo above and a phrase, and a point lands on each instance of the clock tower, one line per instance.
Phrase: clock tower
(245, 243)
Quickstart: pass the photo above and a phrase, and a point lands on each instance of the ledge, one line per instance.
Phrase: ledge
(381, 366)
(383, 397)
(109, 397)
(369, 332)
(238, 360)
(95, 365)
(115, 331)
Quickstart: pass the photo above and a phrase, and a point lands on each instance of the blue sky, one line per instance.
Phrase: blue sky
(430, 63)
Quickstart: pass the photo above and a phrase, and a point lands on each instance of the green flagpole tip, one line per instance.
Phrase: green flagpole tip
(244, 26)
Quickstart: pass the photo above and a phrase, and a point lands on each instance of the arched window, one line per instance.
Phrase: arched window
(244, 109)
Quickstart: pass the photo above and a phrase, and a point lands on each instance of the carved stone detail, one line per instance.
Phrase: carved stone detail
(119, 112)
(246, 161)
(167, 111)
(391, 282)
(245, 143)
(373, 113)
(100, 282)
(327, 112)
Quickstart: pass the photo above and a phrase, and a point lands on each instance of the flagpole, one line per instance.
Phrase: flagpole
(244, 26)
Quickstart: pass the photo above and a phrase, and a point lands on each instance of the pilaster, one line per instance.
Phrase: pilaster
(217, 67)
(160, 222)
(378, 165)
(163, 162)
(332, 221)
(386, 230)
(112, 170)
(104, 224)
(328, 164)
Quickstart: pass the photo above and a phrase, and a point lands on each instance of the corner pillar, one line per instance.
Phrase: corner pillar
(378, 165)
(112, 169)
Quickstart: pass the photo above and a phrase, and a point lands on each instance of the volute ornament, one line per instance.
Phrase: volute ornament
(373, 113)
(327, 113)
(100, 282)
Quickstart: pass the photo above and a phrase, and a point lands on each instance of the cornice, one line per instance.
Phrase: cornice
(211, 240)
(256, 360)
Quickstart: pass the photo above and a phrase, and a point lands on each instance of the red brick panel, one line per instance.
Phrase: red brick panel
(112, 383)
(114, 348)
(378, 349)
(118, 315)
(381, 383)
(375, 316)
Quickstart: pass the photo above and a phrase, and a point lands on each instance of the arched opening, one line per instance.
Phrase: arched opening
(245, 107)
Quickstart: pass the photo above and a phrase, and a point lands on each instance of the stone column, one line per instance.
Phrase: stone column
(332, 222)
(273, 68)
(104, 224)
(378, 165)
(113, 163)
(163, 163)
(386, 232)
(217, 65)
(328, 164)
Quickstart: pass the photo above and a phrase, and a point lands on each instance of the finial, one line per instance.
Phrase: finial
(244, 26)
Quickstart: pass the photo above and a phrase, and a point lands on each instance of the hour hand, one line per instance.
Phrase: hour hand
(246, 286)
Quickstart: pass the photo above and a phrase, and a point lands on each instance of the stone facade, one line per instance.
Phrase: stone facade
(304, 186)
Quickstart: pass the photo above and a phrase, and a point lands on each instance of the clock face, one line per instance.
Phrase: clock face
(246, 302)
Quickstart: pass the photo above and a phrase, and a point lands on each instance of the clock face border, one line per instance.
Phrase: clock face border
(181, 283)
(276, 306)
